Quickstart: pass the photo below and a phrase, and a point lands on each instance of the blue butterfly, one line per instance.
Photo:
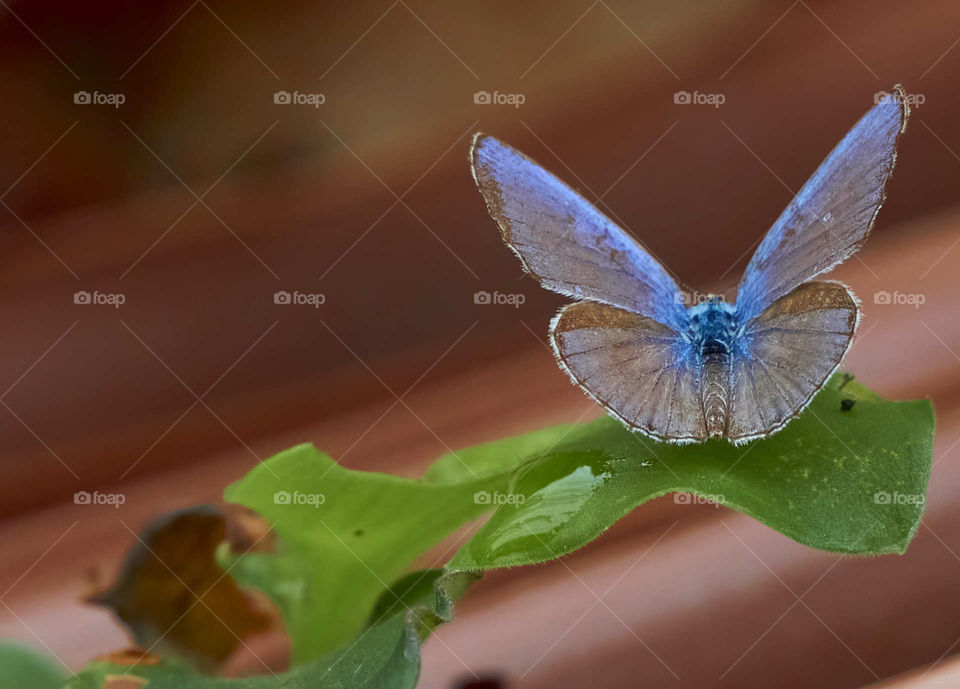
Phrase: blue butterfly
(713, 370)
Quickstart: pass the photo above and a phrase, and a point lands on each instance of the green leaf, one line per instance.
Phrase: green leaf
(344, 536)
(822, 481)
(849, 478)
(431, 592)
(411, 590)
(21, 667)
(849, 481)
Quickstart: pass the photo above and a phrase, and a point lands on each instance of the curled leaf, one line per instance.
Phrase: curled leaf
(173, 596)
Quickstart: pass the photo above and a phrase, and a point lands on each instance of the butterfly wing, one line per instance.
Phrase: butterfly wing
(786, 354)
(565, 242)
(641, 371)
(833, 213)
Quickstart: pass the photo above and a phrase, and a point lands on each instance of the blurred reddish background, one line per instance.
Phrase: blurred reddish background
(200, 197)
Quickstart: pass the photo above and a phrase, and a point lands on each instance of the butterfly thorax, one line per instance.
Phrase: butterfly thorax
(712, 332)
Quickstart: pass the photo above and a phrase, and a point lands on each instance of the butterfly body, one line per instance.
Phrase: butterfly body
(713, 334)
(713, 370)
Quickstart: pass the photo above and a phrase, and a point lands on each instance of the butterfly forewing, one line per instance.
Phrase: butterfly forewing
(786, 354)
(565, 242)
(828, 220)
(639, 370)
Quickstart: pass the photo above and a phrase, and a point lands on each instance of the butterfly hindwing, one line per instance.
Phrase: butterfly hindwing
(831, 216)
(786, 354)
(642, 372)
(565, 242)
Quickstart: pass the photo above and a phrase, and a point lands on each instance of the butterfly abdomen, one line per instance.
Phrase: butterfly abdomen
(712, 327)
(714, 377)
